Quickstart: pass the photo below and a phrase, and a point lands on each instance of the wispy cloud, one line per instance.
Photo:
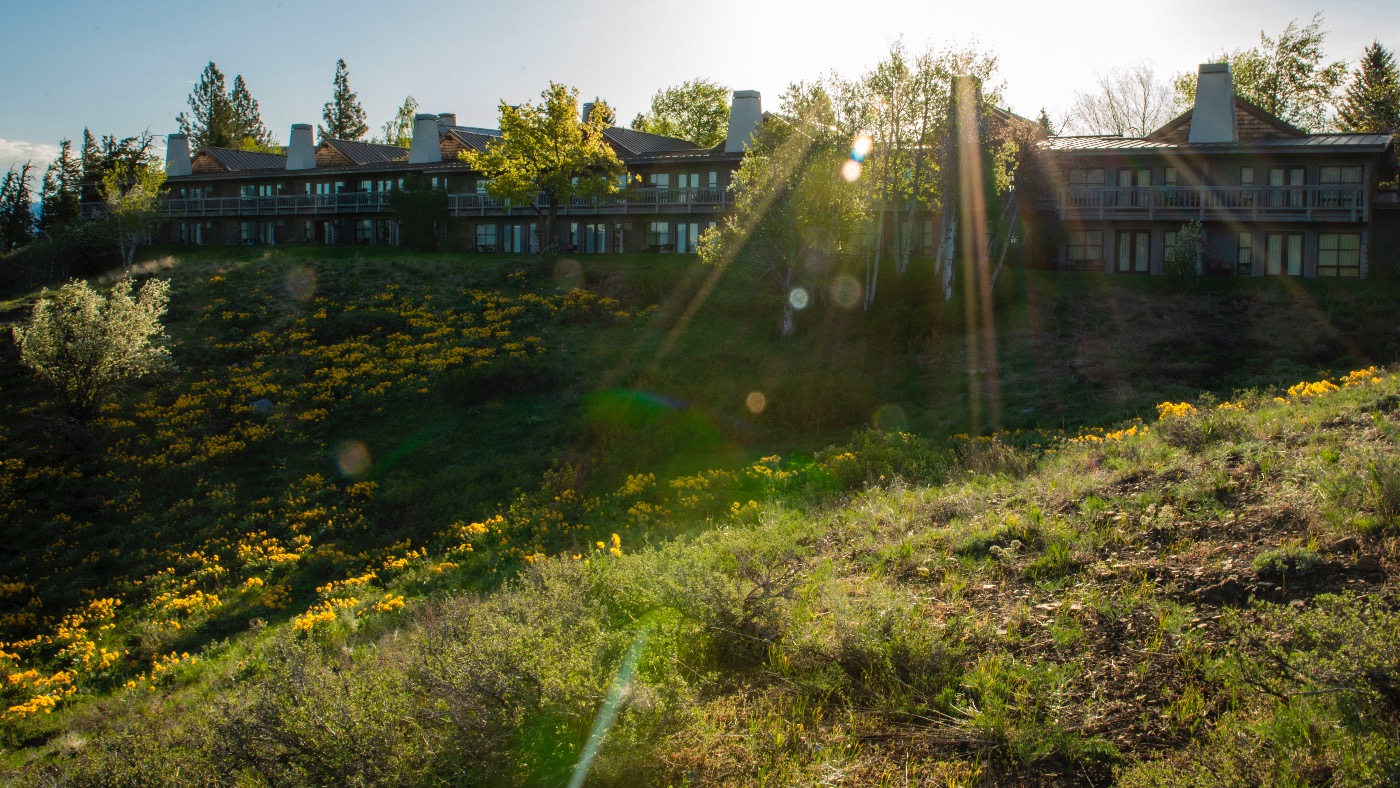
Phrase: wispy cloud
(17, 152)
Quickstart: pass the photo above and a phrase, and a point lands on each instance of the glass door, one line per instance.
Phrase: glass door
(1133, 246)
(1285, 254)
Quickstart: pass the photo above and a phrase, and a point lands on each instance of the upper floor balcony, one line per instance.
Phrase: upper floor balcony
(637, 200)
(1328, 203)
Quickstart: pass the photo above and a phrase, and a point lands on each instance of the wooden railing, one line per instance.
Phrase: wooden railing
(1298, 203)
(634, 200)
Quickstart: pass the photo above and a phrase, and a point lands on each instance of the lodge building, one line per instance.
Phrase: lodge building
(1271, 199)
(338, 191)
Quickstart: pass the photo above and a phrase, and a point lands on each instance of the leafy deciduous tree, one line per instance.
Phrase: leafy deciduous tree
(345, 118)
(545, 150)
(85, 344)
(696, 110)
(1285, 76)
(399, 129)
(130, 196)
(1372, 100)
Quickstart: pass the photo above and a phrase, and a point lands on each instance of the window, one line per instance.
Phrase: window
(486, 237)
(658, 237)
(660, 180)
(1246, 176)
(1085, 248)
(366, 186)
(247, 191)
(481, 185)
(1335, 175)
(595, 238)
(1169, 176)
(1086, 177)
(1339, 254)
(1285, 253)
(927, 238)
(364, 231)
(1244, 254)
(713, 182)
(686, 236)
(1168, 244)
(1132, 251)
(1287, 176)
(513, 238)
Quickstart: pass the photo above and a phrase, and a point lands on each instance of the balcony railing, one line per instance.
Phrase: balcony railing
(635, 200)
(1288, 203)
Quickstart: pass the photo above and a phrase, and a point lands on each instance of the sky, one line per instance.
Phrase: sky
(121, 67)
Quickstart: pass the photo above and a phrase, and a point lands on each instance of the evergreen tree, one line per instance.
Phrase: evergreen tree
(399, 130)
(16, 209)
(345, 118)
(60, 193)
(1045, 123)
(91, 158)
(249, 131)
(220, 118)
(1372, 101)
(210, 122)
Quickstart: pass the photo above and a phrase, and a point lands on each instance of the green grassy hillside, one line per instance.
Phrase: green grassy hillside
(279, 547)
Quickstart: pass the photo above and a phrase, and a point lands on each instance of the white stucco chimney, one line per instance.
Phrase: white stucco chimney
(426, 147)
(1213, 116)
(744, 114)
(177, 155)
(301, 150)
(447, 119)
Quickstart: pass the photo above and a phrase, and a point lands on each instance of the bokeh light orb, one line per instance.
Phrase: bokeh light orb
(850, 170)
(755, 402)
(889, 418)
(845, 291)
(352, 459)
(301, 282)
(798, 298)
(861, 147)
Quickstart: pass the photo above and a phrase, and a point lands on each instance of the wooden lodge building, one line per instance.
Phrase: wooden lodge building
(1272, 200)
(338, 192)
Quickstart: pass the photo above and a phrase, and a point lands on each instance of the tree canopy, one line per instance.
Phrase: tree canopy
(398, 130)
(85, 344)
(16, 212)
(1131, 101)
(1372, 100)
(345, 118)
(545, 149)
(61, 190)
(130, 196)
(1285, 76)
(223, 119)
(696, 110)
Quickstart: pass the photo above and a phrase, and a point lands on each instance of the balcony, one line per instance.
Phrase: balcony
(1268, 203)
(641, 200)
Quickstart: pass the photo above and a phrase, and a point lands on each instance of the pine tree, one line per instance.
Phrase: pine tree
(91, 158)
(220, 118)
(399, 130)
(1045, 124)
(60, 195)
(1372, 101)
(345, 118)
(248, 128)
(16, 209)
(210, 122)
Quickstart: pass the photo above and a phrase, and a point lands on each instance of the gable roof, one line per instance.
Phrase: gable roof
(1253, 121)
(233, 160)
(638, 143)
(1351, 143)
(362, 153)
